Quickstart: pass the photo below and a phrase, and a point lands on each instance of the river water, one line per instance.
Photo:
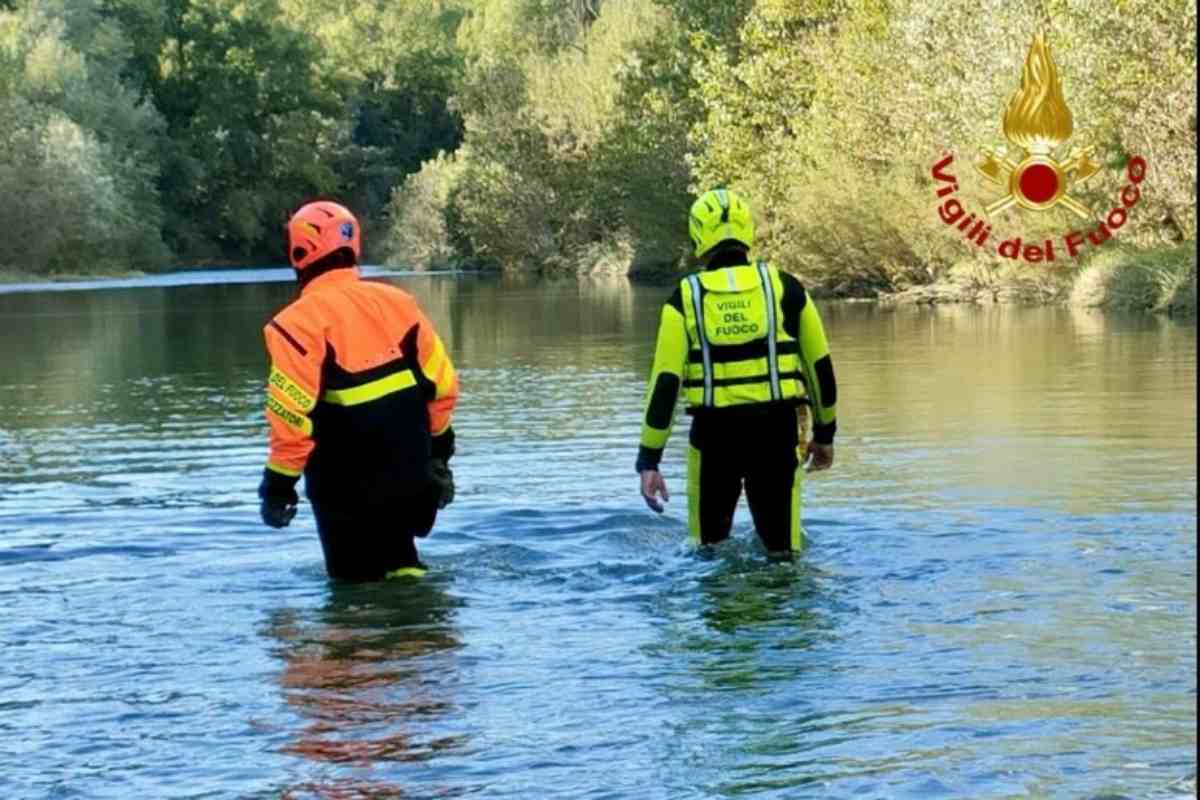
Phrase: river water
(998, 599)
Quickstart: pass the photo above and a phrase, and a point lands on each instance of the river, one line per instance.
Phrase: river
(998, 598)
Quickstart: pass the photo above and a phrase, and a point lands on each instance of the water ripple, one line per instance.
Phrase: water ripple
(998, 598)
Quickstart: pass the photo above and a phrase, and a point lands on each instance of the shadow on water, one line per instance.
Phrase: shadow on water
(373, 672)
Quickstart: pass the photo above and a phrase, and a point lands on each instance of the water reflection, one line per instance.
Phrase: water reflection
(747, 649)
(374, 672)
(745, 594)
(756, 620)
(568, 324)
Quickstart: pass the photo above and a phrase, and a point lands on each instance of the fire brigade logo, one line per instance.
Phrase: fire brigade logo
(1037, 121)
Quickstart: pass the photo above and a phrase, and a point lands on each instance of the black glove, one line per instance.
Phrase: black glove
(279, 498)
(443, 478)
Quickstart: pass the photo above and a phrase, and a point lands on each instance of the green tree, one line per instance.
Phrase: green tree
(396, 66)
(531, 188)
(249, 119)
(79, 147)
(646, 165)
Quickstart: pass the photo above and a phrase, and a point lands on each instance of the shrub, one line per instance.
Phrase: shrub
(417, 235)
(533, 191)
(1160, 279)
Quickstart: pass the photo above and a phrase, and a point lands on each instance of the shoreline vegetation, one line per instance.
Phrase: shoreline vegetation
(1161, 281)
(567, 138)
(13, 276)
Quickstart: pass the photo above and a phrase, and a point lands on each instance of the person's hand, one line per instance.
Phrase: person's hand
(818, 456)
(277, 512)
(444, 479)
(653, 484)
(279, 498)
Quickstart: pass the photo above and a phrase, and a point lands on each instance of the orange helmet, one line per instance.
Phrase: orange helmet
(321, 228)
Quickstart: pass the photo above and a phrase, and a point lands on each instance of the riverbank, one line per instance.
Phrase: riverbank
(1161, 281)
(8, 276)
(13, 276)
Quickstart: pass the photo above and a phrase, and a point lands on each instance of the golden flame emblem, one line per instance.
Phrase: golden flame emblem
(1037, 121)
(1037, 118)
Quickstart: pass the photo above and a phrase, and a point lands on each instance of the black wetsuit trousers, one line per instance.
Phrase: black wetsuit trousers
(364, 542)
(757, 450)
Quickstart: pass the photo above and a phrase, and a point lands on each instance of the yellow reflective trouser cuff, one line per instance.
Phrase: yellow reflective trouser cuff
(291, 390)
(693, 484)
(290, 418)
(406, 572)
(291, 473)
(370, 391)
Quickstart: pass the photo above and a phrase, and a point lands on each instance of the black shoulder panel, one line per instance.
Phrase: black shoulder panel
(676, 300)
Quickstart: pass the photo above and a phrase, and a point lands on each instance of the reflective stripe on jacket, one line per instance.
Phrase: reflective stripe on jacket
(359, 382)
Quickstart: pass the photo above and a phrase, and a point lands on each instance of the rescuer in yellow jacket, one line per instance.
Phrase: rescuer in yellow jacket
(745, 343)
(359, 399)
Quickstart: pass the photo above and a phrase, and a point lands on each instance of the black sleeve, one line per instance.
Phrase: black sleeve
(793, 302)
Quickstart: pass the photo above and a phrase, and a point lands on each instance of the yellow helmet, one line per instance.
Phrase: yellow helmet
(719, 215)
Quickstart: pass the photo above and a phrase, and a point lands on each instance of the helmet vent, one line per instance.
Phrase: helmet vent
(723, 199)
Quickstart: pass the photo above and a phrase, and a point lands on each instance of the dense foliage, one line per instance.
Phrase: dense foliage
(139, 132)
(567, 134)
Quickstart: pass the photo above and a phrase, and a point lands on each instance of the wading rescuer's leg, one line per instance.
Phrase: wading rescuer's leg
(714, 485)
(376, 542)
(774, 486)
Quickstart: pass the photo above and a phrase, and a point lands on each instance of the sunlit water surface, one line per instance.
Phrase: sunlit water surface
(998, 599)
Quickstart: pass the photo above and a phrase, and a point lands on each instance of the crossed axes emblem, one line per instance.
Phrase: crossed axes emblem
(1001, 171)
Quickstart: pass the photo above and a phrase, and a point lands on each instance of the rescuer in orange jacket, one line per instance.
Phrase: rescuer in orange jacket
(359, 399)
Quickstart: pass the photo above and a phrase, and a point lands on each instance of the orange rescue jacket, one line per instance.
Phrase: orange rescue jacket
(359, 385)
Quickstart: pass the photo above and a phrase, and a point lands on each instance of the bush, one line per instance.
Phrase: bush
(74, 148)
(73, 216)
(533, 192)
(1160, 279)
(417, 236)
